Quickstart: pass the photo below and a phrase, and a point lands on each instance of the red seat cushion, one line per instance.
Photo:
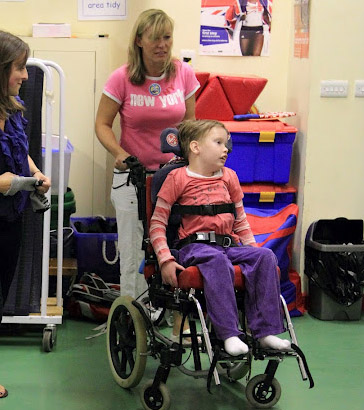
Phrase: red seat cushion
(192, 278)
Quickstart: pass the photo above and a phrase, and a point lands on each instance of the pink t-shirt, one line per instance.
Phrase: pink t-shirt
(147, 109)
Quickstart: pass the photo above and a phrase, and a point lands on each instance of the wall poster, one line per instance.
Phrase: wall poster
(235, 27)
(301, 28)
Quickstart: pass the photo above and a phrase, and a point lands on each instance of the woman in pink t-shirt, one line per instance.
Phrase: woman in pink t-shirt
(151, 92)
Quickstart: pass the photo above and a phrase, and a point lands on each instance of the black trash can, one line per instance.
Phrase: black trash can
(334, 264)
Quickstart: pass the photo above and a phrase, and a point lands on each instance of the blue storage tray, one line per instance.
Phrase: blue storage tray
(262, 150)
(89, 249)
(268, 196)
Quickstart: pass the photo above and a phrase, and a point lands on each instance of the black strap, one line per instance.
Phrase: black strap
(226, 241)
(211, 210)
(302, 356)
(212, 367)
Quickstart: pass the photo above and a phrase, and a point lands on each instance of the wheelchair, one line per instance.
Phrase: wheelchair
(133, 334)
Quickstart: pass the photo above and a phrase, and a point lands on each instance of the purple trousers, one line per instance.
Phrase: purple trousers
(262, 299)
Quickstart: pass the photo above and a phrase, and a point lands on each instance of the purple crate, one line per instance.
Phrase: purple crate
(262, 150)
(89, 249)
(268, 196)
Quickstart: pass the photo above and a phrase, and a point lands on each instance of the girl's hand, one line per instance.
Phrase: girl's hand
(168, 271)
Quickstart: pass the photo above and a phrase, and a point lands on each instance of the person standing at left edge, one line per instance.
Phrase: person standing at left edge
(15, 162)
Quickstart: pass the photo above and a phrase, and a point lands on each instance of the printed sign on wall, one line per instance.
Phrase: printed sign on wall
(101, 9)
(235, 27)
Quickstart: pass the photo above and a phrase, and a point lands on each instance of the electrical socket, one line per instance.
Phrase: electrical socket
(334, 88)
(359, 88)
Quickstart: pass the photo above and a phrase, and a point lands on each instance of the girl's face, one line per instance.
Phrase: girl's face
(156, 51)
(213, 149)
(18, 74)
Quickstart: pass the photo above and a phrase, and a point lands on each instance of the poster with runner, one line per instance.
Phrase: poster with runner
(235, 27)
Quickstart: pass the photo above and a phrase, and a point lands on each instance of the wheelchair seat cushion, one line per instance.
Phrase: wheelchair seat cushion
(192, 278)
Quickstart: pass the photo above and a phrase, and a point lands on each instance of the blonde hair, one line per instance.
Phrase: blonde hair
(195, 130)
(159, 22)
(12, 49)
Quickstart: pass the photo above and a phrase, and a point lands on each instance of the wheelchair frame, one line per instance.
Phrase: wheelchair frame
(132, 336)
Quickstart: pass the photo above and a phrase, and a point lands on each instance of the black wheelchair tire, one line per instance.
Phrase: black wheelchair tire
(126, 340)
(262, 399)
(160, 400)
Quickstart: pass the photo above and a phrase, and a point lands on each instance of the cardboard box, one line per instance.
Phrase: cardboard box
(51, 30)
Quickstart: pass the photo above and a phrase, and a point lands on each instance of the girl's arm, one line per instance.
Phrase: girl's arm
(241, 226)
(157, 232)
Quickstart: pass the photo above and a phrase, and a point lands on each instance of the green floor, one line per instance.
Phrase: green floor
(76, 375)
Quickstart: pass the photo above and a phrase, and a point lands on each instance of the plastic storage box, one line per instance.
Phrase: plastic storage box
(97, 252)
(69, 208)
(268, 196)
(334, 264)
(262, 150)
(55, 162)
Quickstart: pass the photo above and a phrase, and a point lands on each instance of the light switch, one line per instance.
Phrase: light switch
(359, 88)
(334, 88)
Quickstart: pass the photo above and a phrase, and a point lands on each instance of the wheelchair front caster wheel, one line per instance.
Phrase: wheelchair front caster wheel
(155, 399)
(260, 395)
(126, 342)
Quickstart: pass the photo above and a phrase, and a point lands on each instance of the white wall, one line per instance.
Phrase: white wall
(329, 175)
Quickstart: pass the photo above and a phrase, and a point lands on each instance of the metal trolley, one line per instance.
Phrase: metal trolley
(51, 308)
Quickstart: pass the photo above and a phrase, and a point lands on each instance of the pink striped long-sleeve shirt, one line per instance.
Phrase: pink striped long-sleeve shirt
(181, 188)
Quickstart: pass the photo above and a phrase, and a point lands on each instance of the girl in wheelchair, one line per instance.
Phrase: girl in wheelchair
(218, 239)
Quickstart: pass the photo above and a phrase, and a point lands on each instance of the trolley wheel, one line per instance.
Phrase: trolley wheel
(158, 399)
(259, 395)
(48, 340)
(235, 371)
(126, 342)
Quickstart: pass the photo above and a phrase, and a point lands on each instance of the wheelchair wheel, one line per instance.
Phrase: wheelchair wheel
(261, 397)
(126, 342)
(158, 399)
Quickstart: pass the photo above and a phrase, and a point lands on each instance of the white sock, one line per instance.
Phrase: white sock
(235, 347)
(274, 342)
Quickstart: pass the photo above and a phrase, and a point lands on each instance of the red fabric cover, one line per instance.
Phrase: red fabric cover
(242, 92)
(212, 103)
(266, 187)
(191, 278)
(202, 78)
(298, 302)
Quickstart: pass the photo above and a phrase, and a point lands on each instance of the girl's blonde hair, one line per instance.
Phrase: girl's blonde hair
(12, 49)
(159, 22)
(195, 130)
